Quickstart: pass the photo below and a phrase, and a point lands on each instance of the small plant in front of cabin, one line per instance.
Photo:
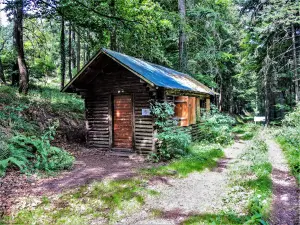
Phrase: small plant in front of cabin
(172, 140)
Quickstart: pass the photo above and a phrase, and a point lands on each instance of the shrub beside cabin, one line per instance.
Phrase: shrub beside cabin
(117, 90)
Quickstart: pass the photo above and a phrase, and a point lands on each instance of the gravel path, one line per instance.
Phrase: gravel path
(285, 204)
(180, 198)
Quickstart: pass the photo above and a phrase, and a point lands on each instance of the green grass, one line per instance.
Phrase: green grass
(106, 201)
(222, 218)
(291, 150)
(199, 158)
(249, 199)
(246, 131)
(43, 97)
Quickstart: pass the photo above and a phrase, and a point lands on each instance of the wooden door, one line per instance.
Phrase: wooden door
(122, 122)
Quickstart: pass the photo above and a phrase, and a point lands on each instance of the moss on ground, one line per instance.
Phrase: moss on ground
(200, 157)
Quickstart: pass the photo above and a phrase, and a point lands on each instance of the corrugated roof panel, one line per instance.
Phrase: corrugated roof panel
(159, 75)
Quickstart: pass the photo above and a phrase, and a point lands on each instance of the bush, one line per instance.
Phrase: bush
(289, 139)
(293, 119)
(30, 154)
(216, 127)
(172, 140)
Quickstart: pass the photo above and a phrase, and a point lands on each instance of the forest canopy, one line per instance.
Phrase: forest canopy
(248, 51)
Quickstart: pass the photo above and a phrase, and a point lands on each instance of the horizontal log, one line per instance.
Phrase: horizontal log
(98, 139)
(143, 134)
(144, 126)
(144, 122)
(141, 138)
(142, 141)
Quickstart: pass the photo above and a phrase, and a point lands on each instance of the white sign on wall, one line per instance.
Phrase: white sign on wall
(146, 112)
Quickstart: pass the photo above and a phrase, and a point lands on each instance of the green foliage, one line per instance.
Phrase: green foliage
(216, 127)
(289, 139)
(293, 118)
(31, 154)
(246, 131)
(199, 157)
(255, 177)
(250, 183)
(173, 140)
(106, 201)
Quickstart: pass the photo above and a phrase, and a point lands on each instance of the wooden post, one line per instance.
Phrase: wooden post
(110, 123)
(198, 116)
(208, 104)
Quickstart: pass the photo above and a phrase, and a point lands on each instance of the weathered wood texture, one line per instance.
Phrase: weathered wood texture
(123, 131)
(98, 116)
(183, 101)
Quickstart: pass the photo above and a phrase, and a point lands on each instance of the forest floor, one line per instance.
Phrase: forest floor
(285, 202)
(197, 198)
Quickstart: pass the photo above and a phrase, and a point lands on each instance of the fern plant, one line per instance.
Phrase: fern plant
(30, 154)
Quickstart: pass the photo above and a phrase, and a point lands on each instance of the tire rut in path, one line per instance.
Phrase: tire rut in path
(285, 203)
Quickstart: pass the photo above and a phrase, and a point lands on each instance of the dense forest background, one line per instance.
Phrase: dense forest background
(246, 50)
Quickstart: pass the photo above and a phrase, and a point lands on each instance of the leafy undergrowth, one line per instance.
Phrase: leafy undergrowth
(246, 131)
(288, 138)
(216, 127)
(199, 157)
(249, 199)
(291, 150)
(99, 203)
(28, 125)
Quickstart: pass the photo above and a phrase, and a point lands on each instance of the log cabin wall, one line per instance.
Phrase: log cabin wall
(99, 100)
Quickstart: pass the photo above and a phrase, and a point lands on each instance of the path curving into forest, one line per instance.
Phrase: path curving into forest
(285, 203)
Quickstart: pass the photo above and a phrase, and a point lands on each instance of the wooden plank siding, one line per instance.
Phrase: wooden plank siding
(99, 112)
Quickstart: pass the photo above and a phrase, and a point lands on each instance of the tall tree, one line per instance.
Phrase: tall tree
(73, 47)
(295, 65)
(78, 48)
(2, 77)
(19, 45)
(182, 36)
(62, 53)
(70, 51)
(113, 33)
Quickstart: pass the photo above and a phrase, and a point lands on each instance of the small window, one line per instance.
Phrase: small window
(182, 110)
(186, 110)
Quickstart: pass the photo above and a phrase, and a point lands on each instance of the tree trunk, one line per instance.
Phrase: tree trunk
(15, 75)
(113, 33)
(78, 51)
(18, 36)
(267, 94)
(73, 48)
(70, 52)
(2, 77)
(62, 54)
(88, 51)
(295, 65)
(182, 37)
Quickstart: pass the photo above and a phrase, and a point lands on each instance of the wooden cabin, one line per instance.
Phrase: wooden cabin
(117, 90)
